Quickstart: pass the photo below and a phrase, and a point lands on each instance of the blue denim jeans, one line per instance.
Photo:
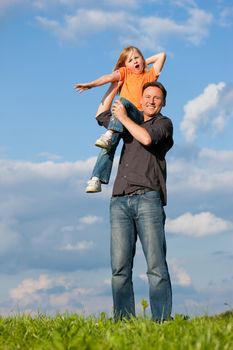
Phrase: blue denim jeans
(132, 112)
(131, 216)
(104, 162)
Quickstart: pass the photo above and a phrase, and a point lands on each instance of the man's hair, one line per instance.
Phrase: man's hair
(158, 85)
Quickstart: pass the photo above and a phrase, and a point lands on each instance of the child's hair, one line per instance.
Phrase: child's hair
(124, 55)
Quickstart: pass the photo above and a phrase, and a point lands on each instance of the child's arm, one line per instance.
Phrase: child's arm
(157, 61)
(108, 98)
(104, 79)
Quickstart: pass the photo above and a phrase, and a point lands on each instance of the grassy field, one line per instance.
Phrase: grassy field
(71, 331)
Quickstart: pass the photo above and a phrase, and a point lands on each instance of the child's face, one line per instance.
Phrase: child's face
(135, 62)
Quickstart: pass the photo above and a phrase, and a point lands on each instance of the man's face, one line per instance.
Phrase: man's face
(152, 101)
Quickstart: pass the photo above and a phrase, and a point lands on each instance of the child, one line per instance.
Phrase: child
(131, 70)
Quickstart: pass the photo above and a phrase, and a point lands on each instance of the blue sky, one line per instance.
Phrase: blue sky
(54, 238)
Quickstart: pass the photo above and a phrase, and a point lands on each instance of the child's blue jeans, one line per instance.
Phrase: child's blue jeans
(104, 162)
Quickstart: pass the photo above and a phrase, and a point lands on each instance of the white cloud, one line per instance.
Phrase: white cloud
(6, 4)
(29, 286)
(211, 108)
(197, 26)
(198, 225)
(40, 217)
(185, 176)
(108, 281)
(68, 228)
(86, 292)
(155, 29)
(49, 293)
(126, 3)
(84, 221)
(66, 299)
(180, 276)
(226, 16)
(49, 156)
(84, 22)
(88, 20)
(44, 214)
(222, 157)
(149, 32)
(44, 4)
(143, 277)
(90, 219)
(209, 171)
(22, 171)
(79, 246)
(184, 3)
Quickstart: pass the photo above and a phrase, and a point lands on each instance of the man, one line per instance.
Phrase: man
(139, 194)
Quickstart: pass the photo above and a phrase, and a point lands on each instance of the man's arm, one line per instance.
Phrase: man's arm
(137, 131)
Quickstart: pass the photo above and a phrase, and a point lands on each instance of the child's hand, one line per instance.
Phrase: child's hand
(82, 87)
(120, 83)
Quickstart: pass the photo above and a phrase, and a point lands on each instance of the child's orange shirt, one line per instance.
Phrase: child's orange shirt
(133, 83)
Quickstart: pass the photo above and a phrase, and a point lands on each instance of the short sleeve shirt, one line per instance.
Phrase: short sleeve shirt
(144, 166)
(133, 83)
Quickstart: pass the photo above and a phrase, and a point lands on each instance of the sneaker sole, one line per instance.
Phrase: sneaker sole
(102, 145)
(92, 190)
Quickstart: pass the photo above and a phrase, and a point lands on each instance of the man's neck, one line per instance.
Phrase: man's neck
(147, 117)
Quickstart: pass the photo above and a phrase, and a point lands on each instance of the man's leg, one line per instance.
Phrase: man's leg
(123, 245)
(150, 225)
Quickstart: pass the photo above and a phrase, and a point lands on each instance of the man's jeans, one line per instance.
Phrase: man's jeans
(131, 216)
(103, 165)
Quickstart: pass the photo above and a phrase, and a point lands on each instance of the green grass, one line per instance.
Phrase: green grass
(71, 331)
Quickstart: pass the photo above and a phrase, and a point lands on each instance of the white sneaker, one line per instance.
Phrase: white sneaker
(104, 142)
(93, 186)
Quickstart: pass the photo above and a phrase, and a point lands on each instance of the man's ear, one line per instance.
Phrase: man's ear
(164, 102)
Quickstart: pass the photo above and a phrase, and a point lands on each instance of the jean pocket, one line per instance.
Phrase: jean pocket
(151, 195)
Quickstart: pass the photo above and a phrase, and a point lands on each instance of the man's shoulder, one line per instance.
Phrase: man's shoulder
(161, 117)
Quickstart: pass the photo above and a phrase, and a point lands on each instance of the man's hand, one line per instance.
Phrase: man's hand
(137, 131)
(119, 111)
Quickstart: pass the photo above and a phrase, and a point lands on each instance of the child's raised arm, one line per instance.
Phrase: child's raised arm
(108, 97)
(157, 61)
(104, 79)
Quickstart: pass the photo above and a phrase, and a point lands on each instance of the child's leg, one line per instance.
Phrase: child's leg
(115, 125)
(132, 112)
(105, 140)
(103, 166)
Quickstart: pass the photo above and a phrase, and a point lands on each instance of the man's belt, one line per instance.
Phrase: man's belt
(140, 191)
